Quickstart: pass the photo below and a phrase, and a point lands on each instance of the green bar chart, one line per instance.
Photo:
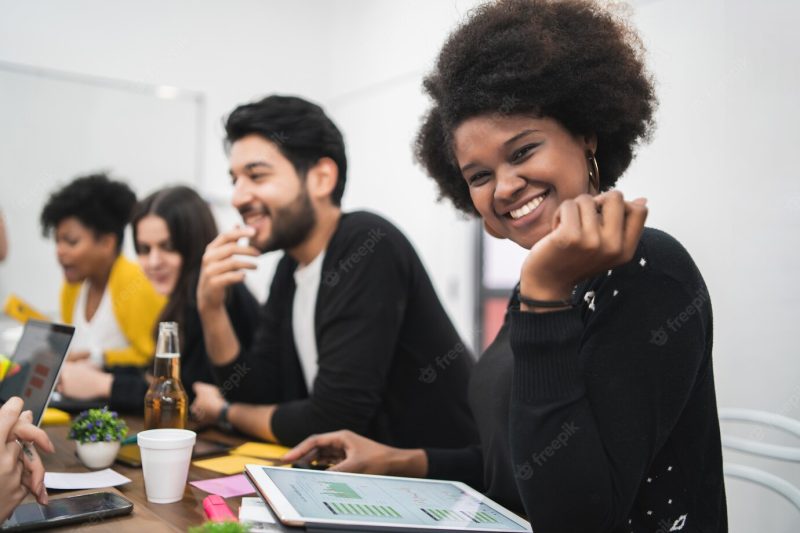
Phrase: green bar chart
(362, 509)
(479, 517)
(340, 490)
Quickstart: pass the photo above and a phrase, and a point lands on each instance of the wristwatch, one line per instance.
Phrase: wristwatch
(222, 419)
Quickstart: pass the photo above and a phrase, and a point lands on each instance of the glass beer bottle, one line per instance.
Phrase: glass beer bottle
(166, 402)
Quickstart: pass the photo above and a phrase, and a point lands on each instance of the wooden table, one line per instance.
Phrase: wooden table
(147, 517)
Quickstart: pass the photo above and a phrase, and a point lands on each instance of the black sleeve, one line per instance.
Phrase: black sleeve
(253, 376)
(457, 464)
(128, 389)
(356, 341)
(243, 310)
(593, 403)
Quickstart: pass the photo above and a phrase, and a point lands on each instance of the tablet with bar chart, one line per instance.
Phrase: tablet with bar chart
(355, 502)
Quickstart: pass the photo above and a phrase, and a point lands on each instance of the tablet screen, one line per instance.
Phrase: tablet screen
(379, 499)
(39, 354)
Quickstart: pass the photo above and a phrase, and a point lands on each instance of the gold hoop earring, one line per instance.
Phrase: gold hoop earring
(594, 171)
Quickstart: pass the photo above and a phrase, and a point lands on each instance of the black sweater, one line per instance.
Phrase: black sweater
(487, 467)
(391, 364)
(130, 386)
(645, 426)
(613, 417)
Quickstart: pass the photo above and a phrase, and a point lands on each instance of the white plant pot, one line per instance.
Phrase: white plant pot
(98, 455)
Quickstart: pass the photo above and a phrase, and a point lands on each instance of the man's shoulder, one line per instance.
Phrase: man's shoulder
(364, 228)
(364, 221)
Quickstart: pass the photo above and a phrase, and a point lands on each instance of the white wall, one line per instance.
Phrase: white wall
(721, 174)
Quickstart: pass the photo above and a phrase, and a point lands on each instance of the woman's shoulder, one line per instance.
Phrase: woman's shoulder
(660, 262)
(665, 255)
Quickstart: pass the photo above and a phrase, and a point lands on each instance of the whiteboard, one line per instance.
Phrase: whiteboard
(56, 126)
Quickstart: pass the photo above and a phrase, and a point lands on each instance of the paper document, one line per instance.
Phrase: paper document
(84, 480)
(254, 514)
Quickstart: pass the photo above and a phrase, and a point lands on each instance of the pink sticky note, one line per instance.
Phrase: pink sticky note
(227, 487)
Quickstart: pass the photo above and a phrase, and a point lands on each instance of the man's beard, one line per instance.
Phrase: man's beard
(291, 225)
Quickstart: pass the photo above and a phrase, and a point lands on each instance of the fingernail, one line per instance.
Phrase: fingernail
(250, 230)
(640, 201)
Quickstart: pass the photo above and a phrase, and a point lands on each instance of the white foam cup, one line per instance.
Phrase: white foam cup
(166, 454)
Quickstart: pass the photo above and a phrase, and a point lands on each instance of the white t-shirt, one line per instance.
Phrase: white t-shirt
(99, 334)
(307, 280)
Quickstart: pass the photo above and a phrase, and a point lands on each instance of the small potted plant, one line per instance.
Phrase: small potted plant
(98, 433)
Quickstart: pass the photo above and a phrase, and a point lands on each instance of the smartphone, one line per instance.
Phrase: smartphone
(85, 508)
(129, 454)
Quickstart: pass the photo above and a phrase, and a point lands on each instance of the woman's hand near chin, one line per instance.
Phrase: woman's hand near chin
(589, 235)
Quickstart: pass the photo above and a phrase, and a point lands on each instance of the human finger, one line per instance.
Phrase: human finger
(228, 265)
(612, 219)
(635, 217)
(589, 221)
(569, 224)
(27, 432)
(232, 235)
(227, 279)
(9, 415)
(336, 439)
(33, 477)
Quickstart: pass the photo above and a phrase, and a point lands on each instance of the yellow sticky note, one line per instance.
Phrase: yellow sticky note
(261, 449)
(55, 417)
(230, 464)
(20, 310)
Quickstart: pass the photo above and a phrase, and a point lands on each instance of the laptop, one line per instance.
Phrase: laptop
(39, 356)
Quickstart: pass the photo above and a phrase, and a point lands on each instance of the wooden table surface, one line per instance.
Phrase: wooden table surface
(148, 517)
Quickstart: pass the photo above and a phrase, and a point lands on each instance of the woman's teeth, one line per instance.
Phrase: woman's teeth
(527, 208)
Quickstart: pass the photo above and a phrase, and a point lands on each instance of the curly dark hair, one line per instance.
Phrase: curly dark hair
(301, 130)
(572, 61)
(99, 203)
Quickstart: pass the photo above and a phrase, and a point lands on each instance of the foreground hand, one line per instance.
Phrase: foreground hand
(33, 475)
(207, 404)
(78, 355)
(19, 472)
(590, 235)
(348, 452)
(221, 268)
(84, 381)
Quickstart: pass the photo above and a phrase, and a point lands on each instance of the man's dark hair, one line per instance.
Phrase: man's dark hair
(569, 60)
(300, 130)
(99, 203)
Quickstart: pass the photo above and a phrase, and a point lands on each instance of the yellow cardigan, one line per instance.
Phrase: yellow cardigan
(136, 306)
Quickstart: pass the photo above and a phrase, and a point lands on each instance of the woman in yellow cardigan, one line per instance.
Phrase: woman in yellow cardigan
(105, 296)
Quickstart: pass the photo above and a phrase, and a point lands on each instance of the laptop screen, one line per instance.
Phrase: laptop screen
(40, 352)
